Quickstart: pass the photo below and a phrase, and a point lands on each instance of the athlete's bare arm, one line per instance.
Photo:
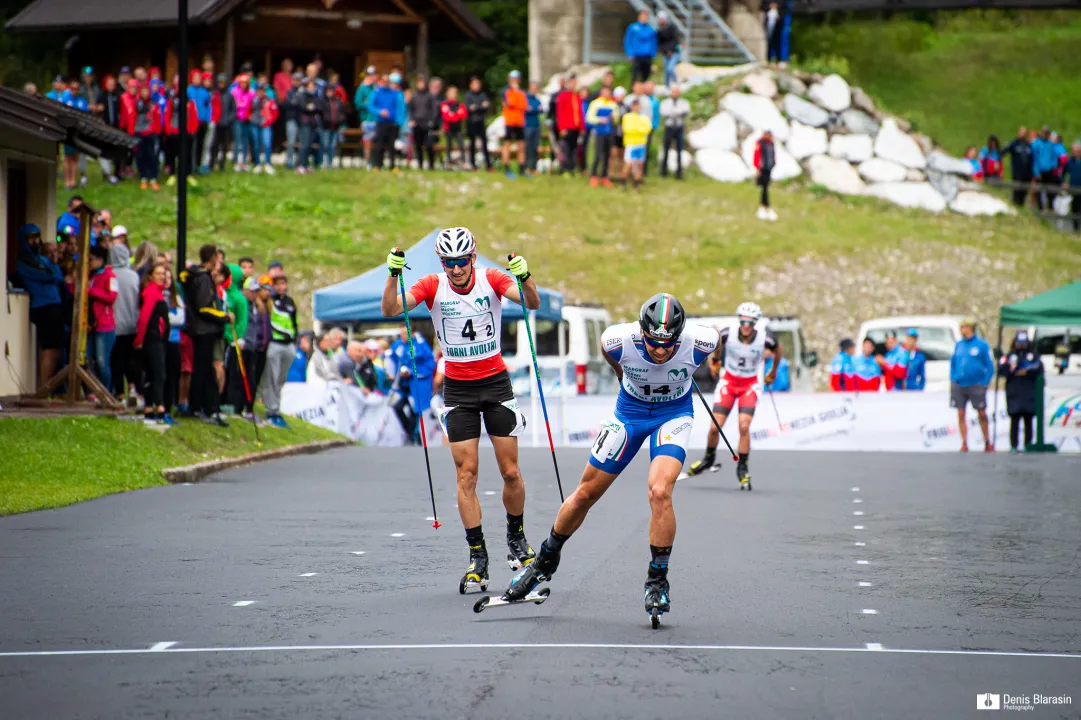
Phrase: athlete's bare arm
(716, 360)
(778, 352)
(392, 299)
(616, 367)
(532, 296)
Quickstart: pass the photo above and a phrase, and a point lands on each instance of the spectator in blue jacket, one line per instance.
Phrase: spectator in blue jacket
(640, 46)
(533, 112)
(972, 368)
(1071, 177)
(782, 383)
(73, 97)
(385, 106)
(843, 368)
(42, 279)
(298, 371)
(916, 376)
(1045, 162)
(200, 94)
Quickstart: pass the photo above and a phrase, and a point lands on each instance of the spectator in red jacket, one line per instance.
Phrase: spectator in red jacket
(172, 131)
(764, 159)
(454, 116)
(101, 292)
(283, 80)
(264, 113)
(151, 335)
(569, 122)
(145, 123)
(127, 106)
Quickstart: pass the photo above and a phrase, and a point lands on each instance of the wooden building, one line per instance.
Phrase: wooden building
(347, 35)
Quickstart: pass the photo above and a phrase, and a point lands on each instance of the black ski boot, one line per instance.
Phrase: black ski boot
(656, 599)
(532, 575)
(521, 553)
(476, 575)
(744, 475)
(704, 464)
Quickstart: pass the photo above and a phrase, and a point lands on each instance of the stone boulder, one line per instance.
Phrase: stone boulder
(687, 158)
(785, 166)
(853, 148)
(494, 134)
(910, 195)
(760, 84)
(945, 184)
(835, 175)
(791, 84)
(722, 165)
(806, 112)
(758, 112)
(719, 133)
(915, 176)
(859, 122)
(803, 142)
(969, 202)
(862, 101)
(926, 144)
(944, 163)
(832, 93)
(892, 144)
(877, 170)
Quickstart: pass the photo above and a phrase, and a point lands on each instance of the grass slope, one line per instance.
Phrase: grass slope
(50, 462)
(960, 76)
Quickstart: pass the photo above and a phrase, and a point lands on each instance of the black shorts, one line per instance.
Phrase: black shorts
(50, 323)
(513, 134)
(468, 400)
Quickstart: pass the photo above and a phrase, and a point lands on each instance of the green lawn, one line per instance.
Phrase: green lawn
(961, 76)
(50, 462)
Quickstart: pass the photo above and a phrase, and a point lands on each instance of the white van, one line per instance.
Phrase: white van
(788, 330)
(938, 336)
(586, 372)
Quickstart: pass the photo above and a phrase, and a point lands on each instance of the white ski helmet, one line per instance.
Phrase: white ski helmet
(749, 310)
(455, 242)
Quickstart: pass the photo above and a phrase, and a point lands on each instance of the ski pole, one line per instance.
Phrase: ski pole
(774, 401)
(716, 424)
(423, 432)
(247, 388)
(536, 372)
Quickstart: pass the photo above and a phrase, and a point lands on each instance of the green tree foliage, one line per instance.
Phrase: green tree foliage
(491, 60)
(36, 57)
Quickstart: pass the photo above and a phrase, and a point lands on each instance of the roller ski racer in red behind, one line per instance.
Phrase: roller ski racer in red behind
(465, 303)
(654, 360)
(740, 353)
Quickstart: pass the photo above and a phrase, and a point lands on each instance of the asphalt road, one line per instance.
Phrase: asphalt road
(970, 564)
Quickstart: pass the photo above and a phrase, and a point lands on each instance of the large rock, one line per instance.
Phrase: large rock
(806, 112)
(761, 84)
(944, 163)
(909, 195)
(853, 148)
(494, 134)
(859, 122)
(791, 84)
(803, 142)
(968, 202)
(722, 165)
(945, 184)
(892, 144)
(835, 175)
(915, 176)
(862, 101)
(877, 170)
(687, 158)
(758, 112)
(785, 166)
(926, 144)
(832, 93)
(719, 133)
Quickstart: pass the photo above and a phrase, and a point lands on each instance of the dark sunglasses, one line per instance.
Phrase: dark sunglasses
(658, 343)
(457, 262)
(746, 322)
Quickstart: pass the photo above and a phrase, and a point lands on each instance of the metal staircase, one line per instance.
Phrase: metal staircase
(705, 39)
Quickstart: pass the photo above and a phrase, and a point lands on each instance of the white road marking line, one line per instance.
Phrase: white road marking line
(548, 646)
(356, 552)
(162, 646)
(877, 647)
(489, 492)
(855, 489)
(857, 527)
(862, 562)
(244, 603)
(861, 583)
(430, 518)
(397, 534)
(857, 501)
(858, 513)
(869, 611)
(307, 575)
(861, 544)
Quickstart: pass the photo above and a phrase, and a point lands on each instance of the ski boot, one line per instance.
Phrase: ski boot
(744, 476)
(521, 553)
(538, 571)
(657, 600)
(700, 466)
(476, 575)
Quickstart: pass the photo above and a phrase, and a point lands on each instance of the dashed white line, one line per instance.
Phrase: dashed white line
(397, 534)
(869, 611)
(357, 552)
(863, 562)
(874, 646)
(243, 603)
(855, 489)
(159, 647)
(307, 575)
(857, 527)
(862, 583)
(489, 492)
(857, 501)
(857, 513)
(860, 544)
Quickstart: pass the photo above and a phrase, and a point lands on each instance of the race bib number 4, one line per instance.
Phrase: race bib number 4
(611, 441)
(469, 336)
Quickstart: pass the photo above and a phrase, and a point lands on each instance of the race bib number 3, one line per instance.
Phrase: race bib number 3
(471, 330)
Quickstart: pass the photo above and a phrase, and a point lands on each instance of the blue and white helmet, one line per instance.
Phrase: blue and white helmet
(455, 242)
(749, 310)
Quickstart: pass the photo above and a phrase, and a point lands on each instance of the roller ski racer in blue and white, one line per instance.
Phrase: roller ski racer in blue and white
(654, 360)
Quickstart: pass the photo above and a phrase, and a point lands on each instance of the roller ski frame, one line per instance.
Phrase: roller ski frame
(467, 583)
(744, 477)
(716, 467)
(514, 562)
(655, 613)
(537, 597)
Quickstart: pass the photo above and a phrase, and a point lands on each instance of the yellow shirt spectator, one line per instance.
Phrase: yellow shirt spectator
(636, 129)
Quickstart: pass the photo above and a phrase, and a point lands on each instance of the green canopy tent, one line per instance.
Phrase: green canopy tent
(1061, 306)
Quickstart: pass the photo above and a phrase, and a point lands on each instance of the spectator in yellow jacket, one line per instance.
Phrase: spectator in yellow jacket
(636, 129)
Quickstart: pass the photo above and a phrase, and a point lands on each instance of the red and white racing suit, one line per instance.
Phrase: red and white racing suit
(739, 376)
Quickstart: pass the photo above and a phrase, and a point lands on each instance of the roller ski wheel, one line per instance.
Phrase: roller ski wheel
(520, 552)
(657, 600)
(536, 597)
(744, 476)
(476, 575)
(655, 618)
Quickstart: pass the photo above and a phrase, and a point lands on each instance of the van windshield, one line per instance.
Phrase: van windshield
(509, 340)
(936, 342)
(546, 337)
